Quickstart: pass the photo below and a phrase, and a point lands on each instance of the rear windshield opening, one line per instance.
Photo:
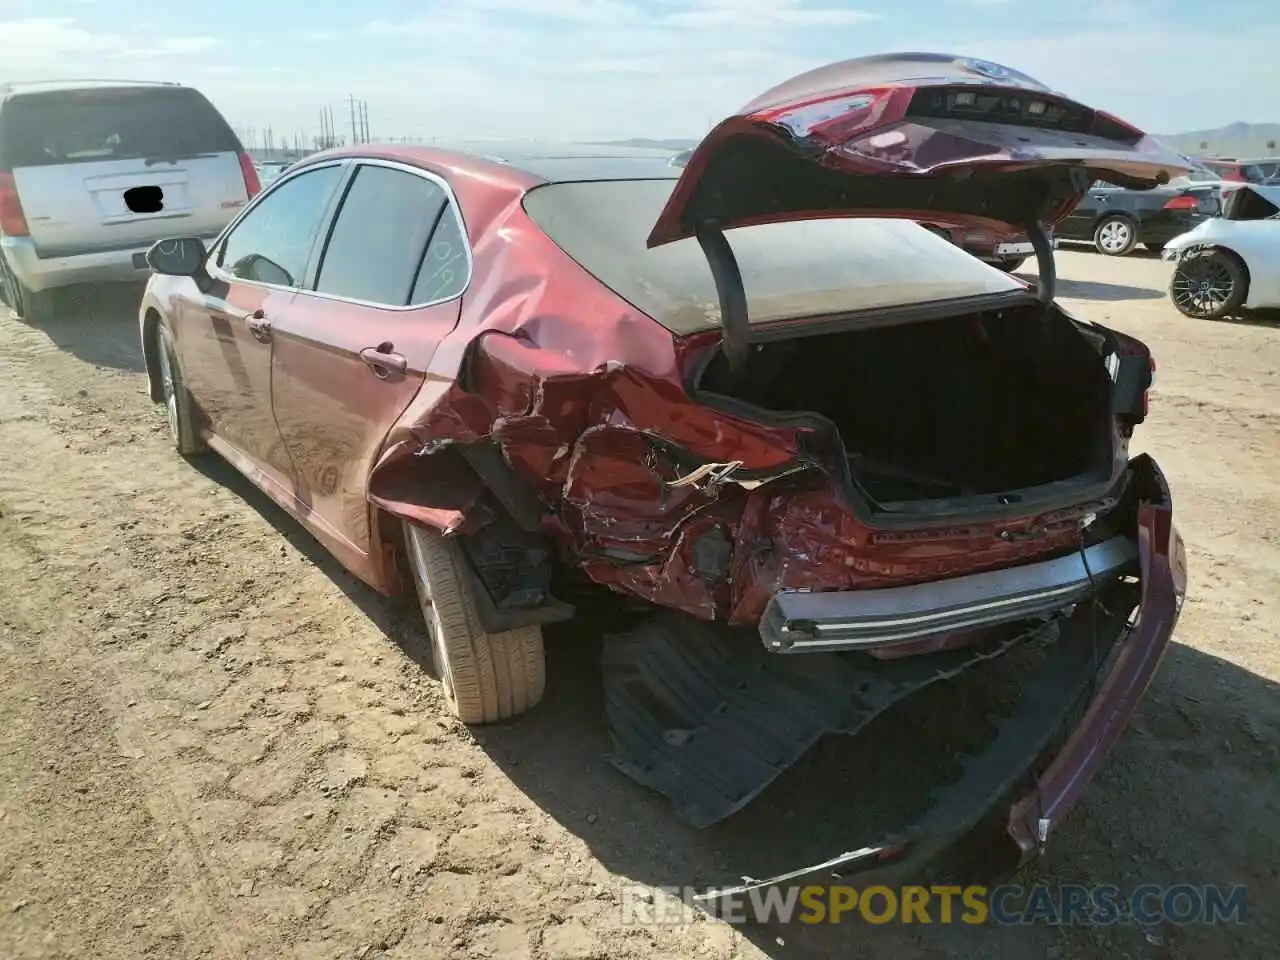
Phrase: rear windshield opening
(801, 269)
(121, 123)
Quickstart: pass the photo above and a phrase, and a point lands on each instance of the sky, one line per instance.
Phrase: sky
(598, 69)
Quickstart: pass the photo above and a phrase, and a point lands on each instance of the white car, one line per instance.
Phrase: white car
(1232, 261)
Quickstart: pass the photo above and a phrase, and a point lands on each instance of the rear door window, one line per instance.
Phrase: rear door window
(445, 267)
(376, 248)
(114, 123)
(273, 242)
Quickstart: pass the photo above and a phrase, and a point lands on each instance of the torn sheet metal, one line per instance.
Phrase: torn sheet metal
(644, 489)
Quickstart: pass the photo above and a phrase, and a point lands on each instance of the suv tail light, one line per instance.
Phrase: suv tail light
(1184, 201)
(252, 185)
(13, 222)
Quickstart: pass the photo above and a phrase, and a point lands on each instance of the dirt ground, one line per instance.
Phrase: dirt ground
(214, 743)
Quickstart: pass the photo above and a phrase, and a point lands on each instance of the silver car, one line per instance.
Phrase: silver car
(92, 173)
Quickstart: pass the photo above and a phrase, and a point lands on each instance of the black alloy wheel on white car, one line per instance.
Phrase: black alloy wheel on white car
(1115, 236)
(486, 676)
(1208, 285)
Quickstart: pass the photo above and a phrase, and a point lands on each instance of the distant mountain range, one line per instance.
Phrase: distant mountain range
(1242, 140)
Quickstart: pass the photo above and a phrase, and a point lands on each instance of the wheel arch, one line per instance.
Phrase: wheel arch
(1123, 215)
(151, 353)
(1214, 247)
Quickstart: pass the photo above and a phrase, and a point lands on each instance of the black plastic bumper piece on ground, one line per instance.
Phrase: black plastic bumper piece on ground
(706, 716)
(1043, 714)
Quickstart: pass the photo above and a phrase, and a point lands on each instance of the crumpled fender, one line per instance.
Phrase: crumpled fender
(645, 490)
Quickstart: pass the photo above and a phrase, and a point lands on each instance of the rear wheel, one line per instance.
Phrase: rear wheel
(1208, 285)
(486, 676)
(26, 303)
(179, 408)
(1115, 236)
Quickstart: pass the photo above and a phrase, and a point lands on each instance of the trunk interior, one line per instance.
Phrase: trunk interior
(942, 409)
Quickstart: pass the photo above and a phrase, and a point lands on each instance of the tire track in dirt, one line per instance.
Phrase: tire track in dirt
(326, 806)
(301, 778)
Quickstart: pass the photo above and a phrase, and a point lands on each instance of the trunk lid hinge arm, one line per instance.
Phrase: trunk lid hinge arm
(732, 294)
(1043, 247)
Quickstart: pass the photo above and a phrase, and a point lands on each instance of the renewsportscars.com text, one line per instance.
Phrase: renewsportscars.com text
(1181, 904)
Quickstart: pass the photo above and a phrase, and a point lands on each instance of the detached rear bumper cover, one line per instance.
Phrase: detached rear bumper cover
(1134, 653)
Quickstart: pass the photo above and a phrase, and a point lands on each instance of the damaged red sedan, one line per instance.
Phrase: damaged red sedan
(840, 458)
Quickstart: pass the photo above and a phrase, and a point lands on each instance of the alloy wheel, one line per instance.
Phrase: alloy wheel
(1115, 236)
(1201, 287)
(170, 391)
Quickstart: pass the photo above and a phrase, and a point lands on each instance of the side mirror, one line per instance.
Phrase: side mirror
(178, 257)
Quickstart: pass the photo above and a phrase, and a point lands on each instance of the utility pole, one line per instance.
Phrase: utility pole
(364, 119)
(351, 109)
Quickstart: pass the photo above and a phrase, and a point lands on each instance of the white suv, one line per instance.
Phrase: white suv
(92, 173)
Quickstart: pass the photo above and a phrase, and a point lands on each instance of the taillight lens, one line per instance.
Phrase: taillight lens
(1151, 382)
(251, 182)
(1184, 202)
(13, 222)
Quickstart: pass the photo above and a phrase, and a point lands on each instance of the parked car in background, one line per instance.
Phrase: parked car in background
(828, 457)
(269, 170)
(1232, 261)
(1243, 171)
(92, 173)
(1006, 252)
(1115, 220)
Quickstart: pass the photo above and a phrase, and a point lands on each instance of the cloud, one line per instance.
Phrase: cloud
(766, 13)
(42, 47)
(592, 69)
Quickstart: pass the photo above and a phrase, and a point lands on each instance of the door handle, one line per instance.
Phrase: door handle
(259, 326)
(383, 361)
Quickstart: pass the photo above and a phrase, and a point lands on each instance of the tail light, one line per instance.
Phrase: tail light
(252, 185)
(13, 222)
(1183, 202)
(1151, 382)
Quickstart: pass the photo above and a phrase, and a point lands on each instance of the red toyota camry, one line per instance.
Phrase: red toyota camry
(836, 460)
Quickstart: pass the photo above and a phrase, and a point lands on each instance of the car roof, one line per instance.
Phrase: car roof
(564, 162)
(54, 86)
(526, 163)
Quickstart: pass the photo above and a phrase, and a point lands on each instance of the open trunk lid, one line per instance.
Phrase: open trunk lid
(909, 135)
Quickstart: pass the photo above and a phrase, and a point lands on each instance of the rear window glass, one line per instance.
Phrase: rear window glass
(799, 269)
(92, 126)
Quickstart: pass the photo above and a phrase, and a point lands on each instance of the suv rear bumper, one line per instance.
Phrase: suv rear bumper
(47, 273)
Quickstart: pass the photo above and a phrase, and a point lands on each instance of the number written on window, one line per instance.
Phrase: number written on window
(444, 267)
(377, 242)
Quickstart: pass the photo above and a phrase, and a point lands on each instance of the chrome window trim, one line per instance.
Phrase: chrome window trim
(451, 200)
(211, 265)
